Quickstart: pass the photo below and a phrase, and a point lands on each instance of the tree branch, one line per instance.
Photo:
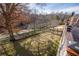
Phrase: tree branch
(13, 7)
(2, 9)
(8, 6)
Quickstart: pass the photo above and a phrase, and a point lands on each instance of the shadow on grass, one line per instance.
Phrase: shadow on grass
(21, 51)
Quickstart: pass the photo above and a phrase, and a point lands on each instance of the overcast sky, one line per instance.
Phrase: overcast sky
(57, 7)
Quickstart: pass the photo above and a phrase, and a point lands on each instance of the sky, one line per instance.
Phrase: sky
(56, 7)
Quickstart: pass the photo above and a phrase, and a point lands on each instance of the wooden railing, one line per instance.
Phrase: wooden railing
(63, 44)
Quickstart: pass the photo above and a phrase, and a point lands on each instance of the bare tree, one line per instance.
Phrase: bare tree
(7, 10)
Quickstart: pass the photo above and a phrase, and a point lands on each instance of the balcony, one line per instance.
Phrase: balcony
(68, 45)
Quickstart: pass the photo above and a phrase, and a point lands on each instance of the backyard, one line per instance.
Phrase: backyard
(44, 43)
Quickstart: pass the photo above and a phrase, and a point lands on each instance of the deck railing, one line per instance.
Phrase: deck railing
(63, 44)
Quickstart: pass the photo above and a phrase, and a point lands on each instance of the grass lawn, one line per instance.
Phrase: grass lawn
(45, 43)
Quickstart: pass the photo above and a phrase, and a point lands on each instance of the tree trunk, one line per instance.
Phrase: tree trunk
(9, 28)
(34, 27)
(10, 32)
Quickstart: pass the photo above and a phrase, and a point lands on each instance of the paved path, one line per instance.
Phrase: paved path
(17, 35)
